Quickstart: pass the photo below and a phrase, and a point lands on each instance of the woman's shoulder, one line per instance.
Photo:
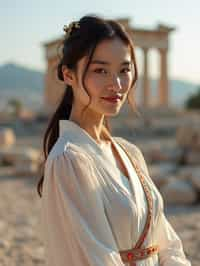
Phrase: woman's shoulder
(128, 145)
(68, 159)
(134, 151)
(63, 147)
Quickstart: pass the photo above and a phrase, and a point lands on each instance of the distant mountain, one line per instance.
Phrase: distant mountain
(14, 76)
(17, 81)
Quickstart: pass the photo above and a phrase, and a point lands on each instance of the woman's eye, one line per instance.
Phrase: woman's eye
(125, 70)
(100, 70)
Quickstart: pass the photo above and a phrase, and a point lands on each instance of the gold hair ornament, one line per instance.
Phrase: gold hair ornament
(68, 28)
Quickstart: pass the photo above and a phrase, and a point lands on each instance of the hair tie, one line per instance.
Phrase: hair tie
(68, 28)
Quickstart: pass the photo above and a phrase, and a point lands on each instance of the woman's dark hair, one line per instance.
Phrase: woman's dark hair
(81, 42)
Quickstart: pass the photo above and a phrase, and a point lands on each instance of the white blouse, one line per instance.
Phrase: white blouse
(89, 214)
(122, 178)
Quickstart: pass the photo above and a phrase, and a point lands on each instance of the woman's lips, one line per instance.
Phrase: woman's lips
(113, 99)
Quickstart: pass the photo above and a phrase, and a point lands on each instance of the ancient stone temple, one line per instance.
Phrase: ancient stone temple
(144, 39)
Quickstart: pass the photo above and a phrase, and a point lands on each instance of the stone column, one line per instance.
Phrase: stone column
(163, 93)
(145, 80)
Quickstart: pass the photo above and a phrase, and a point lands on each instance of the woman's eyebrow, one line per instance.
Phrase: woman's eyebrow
(127, 62)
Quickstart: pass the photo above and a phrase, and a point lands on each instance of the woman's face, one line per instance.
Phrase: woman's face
(109, 74)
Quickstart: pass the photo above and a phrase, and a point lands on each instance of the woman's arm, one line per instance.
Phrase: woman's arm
(170, 245)
(76, 231)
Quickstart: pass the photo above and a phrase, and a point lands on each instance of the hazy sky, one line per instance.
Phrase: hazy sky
(26, 25)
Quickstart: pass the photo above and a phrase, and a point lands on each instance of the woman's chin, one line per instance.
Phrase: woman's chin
(109, 111)
(113, 113)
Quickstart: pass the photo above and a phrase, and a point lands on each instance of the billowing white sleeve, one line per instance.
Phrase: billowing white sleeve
(76, 231)
(170, 245)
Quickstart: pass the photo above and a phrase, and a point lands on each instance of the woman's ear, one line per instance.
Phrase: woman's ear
(68, 76)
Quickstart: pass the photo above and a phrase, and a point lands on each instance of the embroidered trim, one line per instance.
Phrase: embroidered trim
(138, 253)
(148, 198)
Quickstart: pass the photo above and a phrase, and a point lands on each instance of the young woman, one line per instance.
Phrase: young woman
(99, 204)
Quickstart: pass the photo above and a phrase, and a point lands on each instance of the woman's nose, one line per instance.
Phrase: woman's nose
(115, 83)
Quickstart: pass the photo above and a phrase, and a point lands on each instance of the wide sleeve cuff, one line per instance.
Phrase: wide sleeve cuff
(170, 245)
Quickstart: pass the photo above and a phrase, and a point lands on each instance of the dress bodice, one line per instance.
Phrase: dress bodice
(108, 151)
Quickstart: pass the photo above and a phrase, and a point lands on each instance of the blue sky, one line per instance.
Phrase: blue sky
(25, 25)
